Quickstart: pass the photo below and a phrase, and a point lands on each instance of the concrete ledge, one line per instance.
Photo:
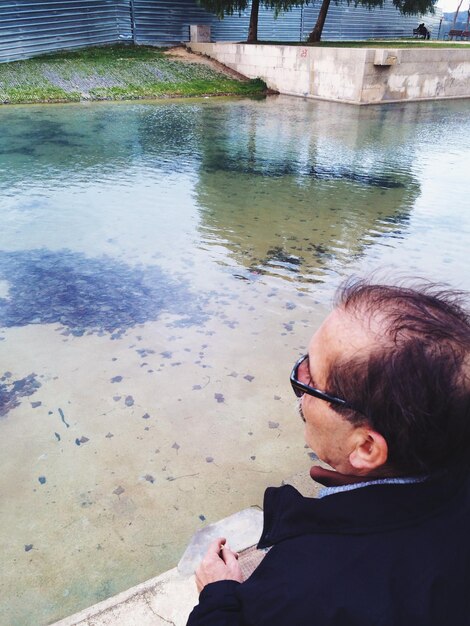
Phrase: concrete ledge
(170, 597)
(163, 600)
(350, 75)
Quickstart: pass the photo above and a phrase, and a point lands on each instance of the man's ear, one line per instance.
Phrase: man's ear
(370, 452)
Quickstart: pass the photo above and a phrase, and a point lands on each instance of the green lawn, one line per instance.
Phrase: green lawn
(118, 72)
(374, 43)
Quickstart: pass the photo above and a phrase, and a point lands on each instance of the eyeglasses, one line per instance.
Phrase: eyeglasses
(301, 388)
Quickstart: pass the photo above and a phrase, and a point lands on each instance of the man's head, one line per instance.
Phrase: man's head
(400, 359)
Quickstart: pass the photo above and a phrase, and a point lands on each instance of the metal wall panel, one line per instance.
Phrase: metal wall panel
(287, 27)
(167, 21)
(343, 23)
(29, 27)
(349, 22)
(124, 25)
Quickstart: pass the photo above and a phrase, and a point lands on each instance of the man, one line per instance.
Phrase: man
(385, 395)
(423, 31)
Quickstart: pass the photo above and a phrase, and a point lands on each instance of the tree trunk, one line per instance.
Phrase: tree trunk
(253, 29)
(315, 35)
(457, 13)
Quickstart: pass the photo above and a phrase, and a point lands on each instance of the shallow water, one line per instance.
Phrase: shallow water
(162, 265)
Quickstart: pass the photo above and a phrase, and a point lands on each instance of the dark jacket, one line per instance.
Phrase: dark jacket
(381, 555)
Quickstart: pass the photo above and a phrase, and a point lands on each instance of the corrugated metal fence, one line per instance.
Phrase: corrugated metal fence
(32, 27)
(343, 22)
(28, 28)
(350, 22)
(167, 21)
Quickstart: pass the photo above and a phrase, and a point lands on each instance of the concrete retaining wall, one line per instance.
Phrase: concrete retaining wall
(354, 75)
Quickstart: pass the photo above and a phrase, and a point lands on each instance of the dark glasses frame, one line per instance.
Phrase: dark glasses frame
(300, 388)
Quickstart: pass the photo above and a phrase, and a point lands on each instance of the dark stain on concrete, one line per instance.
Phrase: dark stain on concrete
(12, 390)
(89, 295)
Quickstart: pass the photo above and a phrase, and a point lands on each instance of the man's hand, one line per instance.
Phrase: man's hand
(220, 563)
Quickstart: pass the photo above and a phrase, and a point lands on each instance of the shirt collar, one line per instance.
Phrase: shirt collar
(405, 480)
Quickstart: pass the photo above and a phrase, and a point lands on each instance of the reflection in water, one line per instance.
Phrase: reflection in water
(58, 146)
(298, 229)
(287, 201)
(162, 265)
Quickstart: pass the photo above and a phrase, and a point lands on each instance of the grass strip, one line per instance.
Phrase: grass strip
(371, 43)
(118, 72)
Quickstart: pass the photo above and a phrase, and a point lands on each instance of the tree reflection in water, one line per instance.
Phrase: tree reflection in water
(294, 196)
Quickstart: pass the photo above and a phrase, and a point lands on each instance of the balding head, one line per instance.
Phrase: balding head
(406, 372)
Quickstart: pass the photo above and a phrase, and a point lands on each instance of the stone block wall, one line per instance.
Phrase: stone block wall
(354, 75)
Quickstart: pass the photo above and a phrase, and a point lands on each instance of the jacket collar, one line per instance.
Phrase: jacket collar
(372, 509)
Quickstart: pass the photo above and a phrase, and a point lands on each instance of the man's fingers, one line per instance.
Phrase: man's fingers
(216, 545)
(220, 563)
(228, 556)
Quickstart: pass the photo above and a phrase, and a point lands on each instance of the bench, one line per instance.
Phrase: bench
(454, 33)
(465, 34)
